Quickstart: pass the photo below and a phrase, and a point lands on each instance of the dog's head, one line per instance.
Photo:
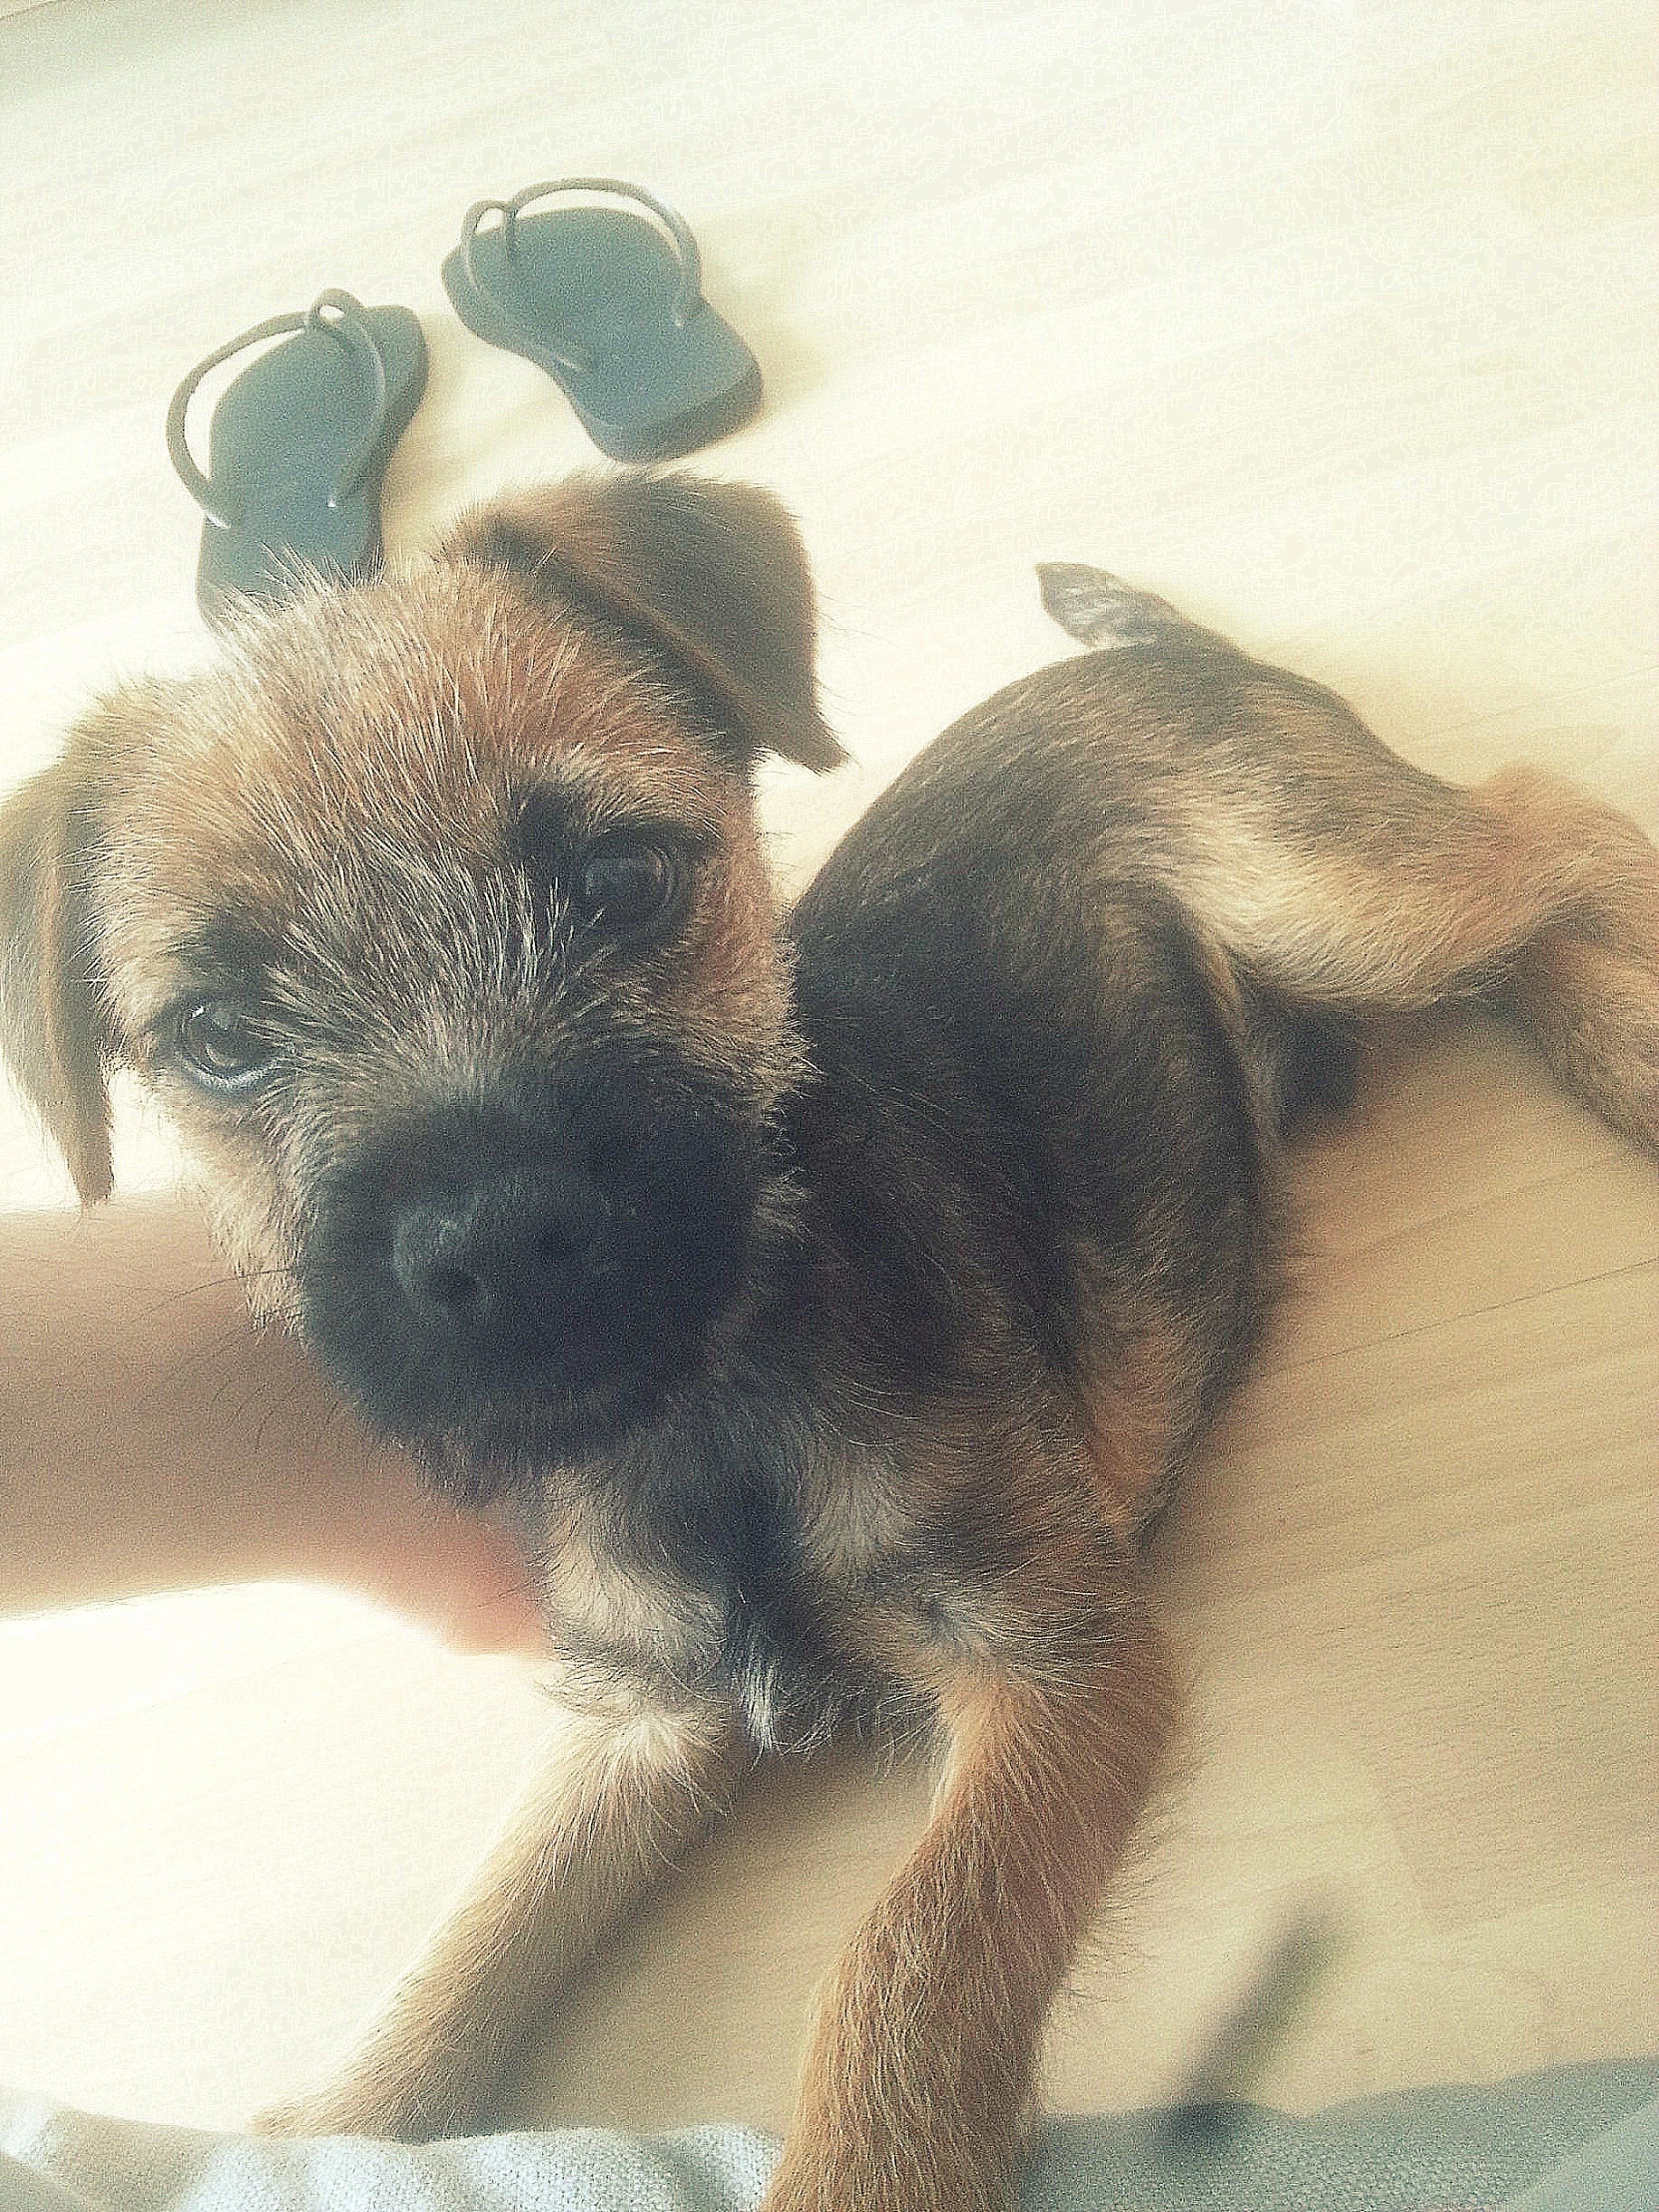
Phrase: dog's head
(438, 917)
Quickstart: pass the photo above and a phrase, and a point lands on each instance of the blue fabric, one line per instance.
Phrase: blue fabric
(1420, 2150)
(1594, 2129)
(1618, 2172)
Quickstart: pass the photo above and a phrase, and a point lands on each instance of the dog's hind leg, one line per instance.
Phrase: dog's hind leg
(1520, 891)
(1342, 879)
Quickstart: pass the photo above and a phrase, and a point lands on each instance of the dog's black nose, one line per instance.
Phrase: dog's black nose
(499, 1256)
(510, 1278)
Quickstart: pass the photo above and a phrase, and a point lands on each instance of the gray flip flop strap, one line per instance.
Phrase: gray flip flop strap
(349, 321)
(688, 296)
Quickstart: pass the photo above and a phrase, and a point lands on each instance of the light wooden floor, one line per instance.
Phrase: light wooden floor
(1337, 325)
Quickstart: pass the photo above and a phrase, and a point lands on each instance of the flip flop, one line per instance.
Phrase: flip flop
(611, 307)
(298, 449)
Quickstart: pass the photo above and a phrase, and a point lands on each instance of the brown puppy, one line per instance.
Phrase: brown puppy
(835, 1295)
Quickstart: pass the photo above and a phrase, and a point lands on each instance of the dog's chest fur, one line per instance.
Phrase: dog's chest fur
(747, 1551)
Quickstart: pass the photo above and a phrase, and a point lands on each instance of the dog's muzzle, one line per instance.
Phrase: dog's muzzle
(513, 1278)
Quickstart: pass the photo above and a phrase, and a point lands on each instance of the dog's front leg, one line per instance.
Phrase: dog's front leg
(617, 1797)
(922, 2060)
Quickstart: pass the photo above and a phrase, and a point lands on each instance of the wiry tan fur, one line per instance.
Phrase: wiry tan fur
(1215, 858)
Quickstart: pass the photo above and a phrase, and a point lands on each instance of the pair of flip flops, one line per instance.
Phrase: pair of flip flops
(608, 302)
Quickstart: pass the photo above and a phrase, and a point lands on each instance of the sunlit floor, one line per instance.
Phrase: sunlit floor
(1333, 324)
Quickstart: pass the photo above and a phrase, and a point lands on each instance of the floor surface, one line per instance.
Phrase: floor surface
(1334, 322)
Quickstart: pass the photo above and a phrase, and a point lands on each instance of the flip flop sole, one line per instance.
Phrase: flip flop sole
(280, 437)
(588, 294)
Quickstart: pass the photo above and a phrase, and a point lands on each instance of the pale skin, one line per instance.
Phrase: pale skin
(151, 1438)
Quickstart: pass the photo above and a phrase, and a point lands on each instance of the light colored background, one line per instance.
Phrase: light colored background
(1335, 323)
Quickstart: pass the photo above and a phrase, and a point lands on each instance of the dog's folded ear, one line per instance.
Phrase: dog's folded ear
(711, 578)
(51, 1027)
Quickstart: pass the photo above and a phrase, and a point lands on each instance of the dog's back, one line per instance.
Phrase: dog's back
(1106, 937)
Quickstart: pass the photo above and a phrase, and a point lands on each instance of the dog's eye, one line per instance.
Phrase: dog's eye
(223, 1046)
(628, 888)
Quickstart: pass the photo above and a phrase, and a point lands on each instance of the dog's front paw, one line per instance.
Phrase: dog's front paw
(845, 2182)
(381, 2111)
(320, 2114)
(837, 2192)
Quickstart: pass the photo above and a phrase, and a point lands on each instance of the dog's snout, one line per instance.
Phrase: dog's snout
(524, 1269)
(499, 1253)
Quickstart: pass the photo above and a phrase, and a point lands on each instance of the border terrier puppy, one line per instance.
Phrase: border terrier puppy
(837, 1295)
